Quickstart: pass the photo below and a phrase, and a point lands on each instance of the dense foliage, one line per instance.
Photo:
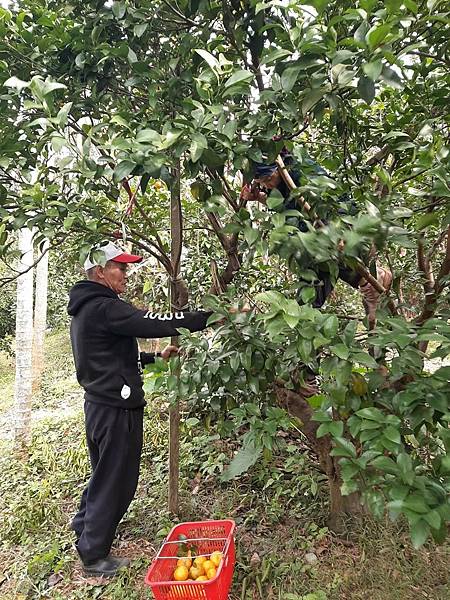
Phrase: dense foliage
(100, 102)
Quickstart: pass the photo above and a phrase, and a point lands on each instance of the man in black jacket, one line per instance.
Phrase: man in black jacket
(103, 333)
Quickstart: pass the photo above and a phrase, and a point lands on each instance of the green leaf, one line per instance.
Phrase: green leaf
(15, 82)
(139, 29)
(391, 77)
(372, 414)
(364, 358)
(63, 113)
(244, 459)
(289, 77)
(291, 320)
(172, 383)
(275, 199)
(251, 235)
(330, 326)
(335, 428)
(123, 169)
(392, 434)
(198, 144)
(343, 448)
(322, 416)
(272, 297)
(340, 350)
(241, 76)
(209, 58)
(310, 99)
(419, 533)
(433, 518)
(366, 89)
(377, 34)
(50, 86)
(386, 464)
(275, 55)
(373, 69)
(119, 9)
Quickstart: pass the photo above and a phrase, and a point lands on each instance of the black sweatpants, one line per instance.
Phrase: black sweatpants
(114, 439)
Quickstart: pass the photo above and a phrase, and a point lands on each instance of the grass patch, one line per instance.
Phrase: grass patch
(6, 381)
(284, 549)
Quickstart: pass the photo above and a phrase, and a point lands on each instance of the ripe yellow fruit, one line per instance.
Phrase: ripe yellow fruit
(181, 573)
(198, 562)
(215, 558)
(196, 572)
(208, 564)
(184, 562)
(202, 578)
(211, 573)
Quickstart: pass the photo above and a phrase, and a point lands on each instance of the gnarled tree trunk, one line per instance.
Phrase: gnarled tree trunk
(296, 403)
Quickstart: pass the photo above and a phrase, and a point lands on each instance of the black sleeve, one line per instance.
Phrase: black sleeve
(148, 358)
(123, 319)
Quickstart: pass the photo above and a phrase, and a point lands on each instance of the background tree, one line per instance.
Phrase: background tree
(24, 342)
(40, 315)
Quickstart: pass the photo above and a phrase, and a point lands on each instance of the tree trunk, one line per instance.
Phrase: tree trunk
(178, 299)
(295, 402)
(40, 317)
(24, 343)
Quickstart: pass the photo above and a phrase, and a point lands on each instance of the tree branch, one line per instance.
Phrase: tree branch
(431, 299)
(6, 280)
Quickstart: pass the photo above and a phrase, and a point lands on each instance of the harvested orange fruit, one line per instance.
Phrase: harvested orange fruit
(181, 573)
(208, 564)
(199, 561)
(215, 558)
(202, 578)
(184, 562)
(196, 572)
(211, 573)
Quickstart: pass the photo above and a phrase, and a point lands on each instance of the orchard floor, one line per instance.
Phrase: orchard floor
(284, 549)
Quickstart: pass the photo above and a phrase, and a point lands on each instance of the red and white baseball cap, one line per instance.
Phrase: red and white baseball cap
(110, 252)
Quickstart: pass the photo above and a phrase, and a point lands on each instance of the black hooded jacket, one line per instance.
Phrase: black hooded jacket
(103, 333)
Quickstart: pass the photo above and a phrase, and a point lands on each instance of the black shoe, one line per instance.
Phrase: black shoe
(105, 567)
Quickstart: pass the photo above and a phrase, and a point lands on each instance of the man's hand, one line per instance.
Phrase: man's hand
(244, 309)
(250, 194)
(169, 351)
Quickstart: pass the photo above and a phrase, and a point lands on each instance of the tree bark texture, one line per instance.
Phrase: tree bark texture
(178, 300)
(296, 403)
(24, 344)
(40, 317)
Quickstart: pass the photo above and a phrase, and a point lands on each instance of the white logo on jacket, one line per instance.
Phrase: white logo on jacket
(164, 317)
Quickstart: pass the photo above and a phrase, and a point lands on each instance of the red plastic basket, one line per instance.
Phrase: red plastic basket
(208, 536)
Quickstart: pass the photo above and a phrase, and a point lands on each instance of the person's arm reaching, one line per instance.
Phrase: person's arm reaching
(148, 358)
(124, 319)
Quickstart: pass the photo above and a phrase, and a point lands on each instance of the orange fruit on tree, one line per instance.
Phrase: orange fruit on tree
(208, 564)
(181, 573)
(215, 558)
(211, 573)
(184, 562)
